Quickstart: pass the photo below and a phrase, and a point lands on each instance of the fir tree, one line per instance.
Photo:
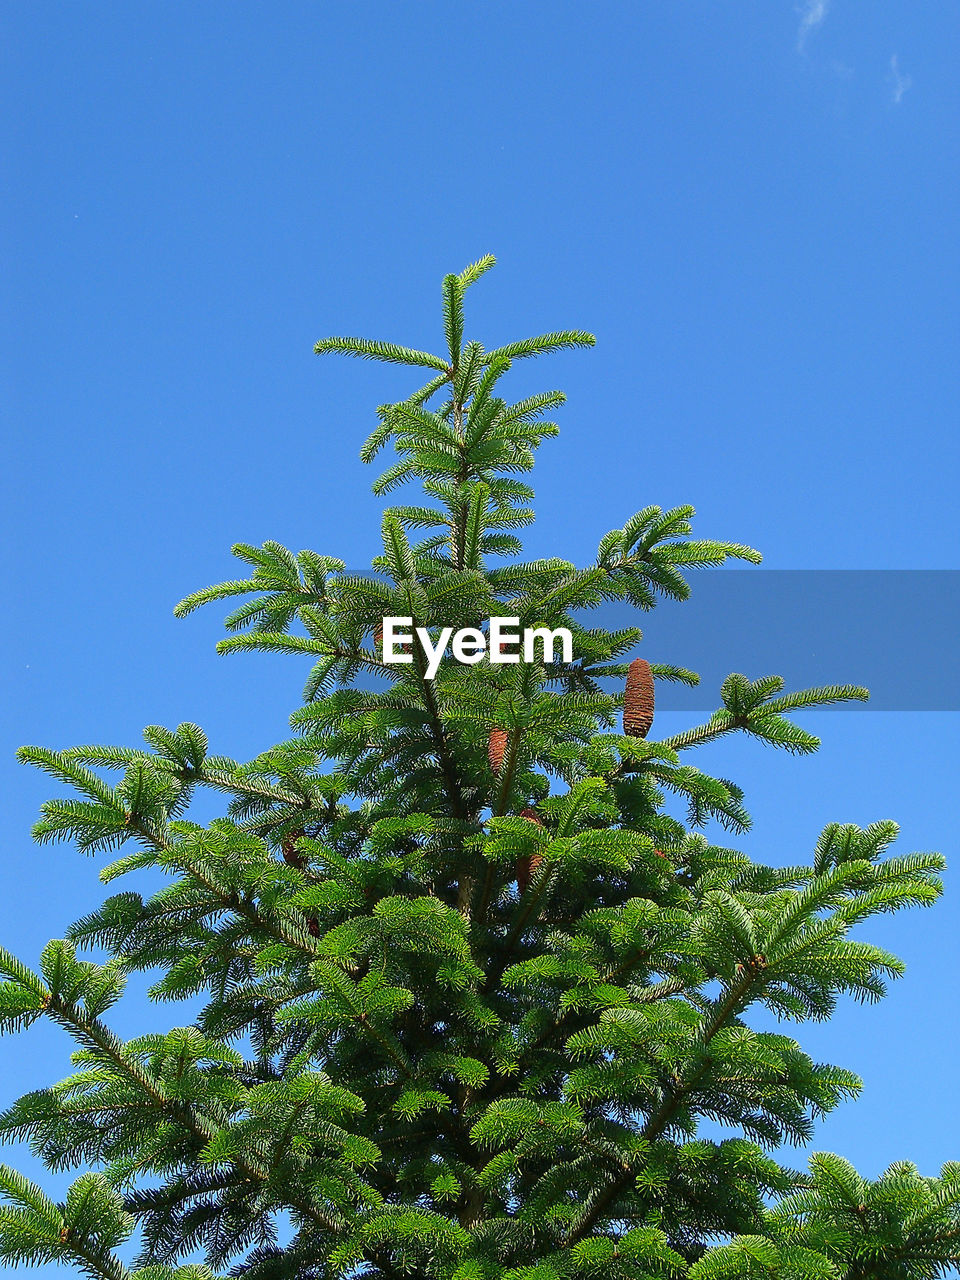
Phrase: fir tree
(468, 989)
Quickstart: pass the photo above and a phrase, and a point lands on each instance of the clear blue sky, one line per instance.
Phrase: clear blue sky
(754, 210)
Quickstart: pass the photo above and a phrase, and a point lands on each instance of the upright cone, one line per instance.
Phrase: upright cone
(294, 858)
(497, 748)
(291, 855)
(526, 867)
(638, 700)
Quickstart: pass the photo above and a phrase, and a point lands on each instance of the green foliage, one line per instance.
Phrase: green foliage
(460, 1018)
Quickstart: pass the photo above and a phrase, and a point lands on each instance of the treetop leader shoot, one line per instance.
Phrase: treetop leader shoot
(470, 645)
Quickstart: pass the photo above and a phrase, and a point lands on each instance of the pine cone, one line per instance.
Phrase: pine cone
(638, 700)
(399, 646)
(497, 748)
(291, 856)
(526, 868)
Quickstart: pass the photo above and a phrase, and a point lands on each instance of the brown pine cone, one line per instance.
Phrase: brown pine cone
(399, 646)
(526, 868)
(293, 858)
(290, 854)
(497, 748)
(638, 700)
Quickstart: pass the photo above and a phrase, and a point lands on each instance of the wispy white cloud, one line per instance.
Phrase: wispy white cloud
(901, 81)
(811, 15)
